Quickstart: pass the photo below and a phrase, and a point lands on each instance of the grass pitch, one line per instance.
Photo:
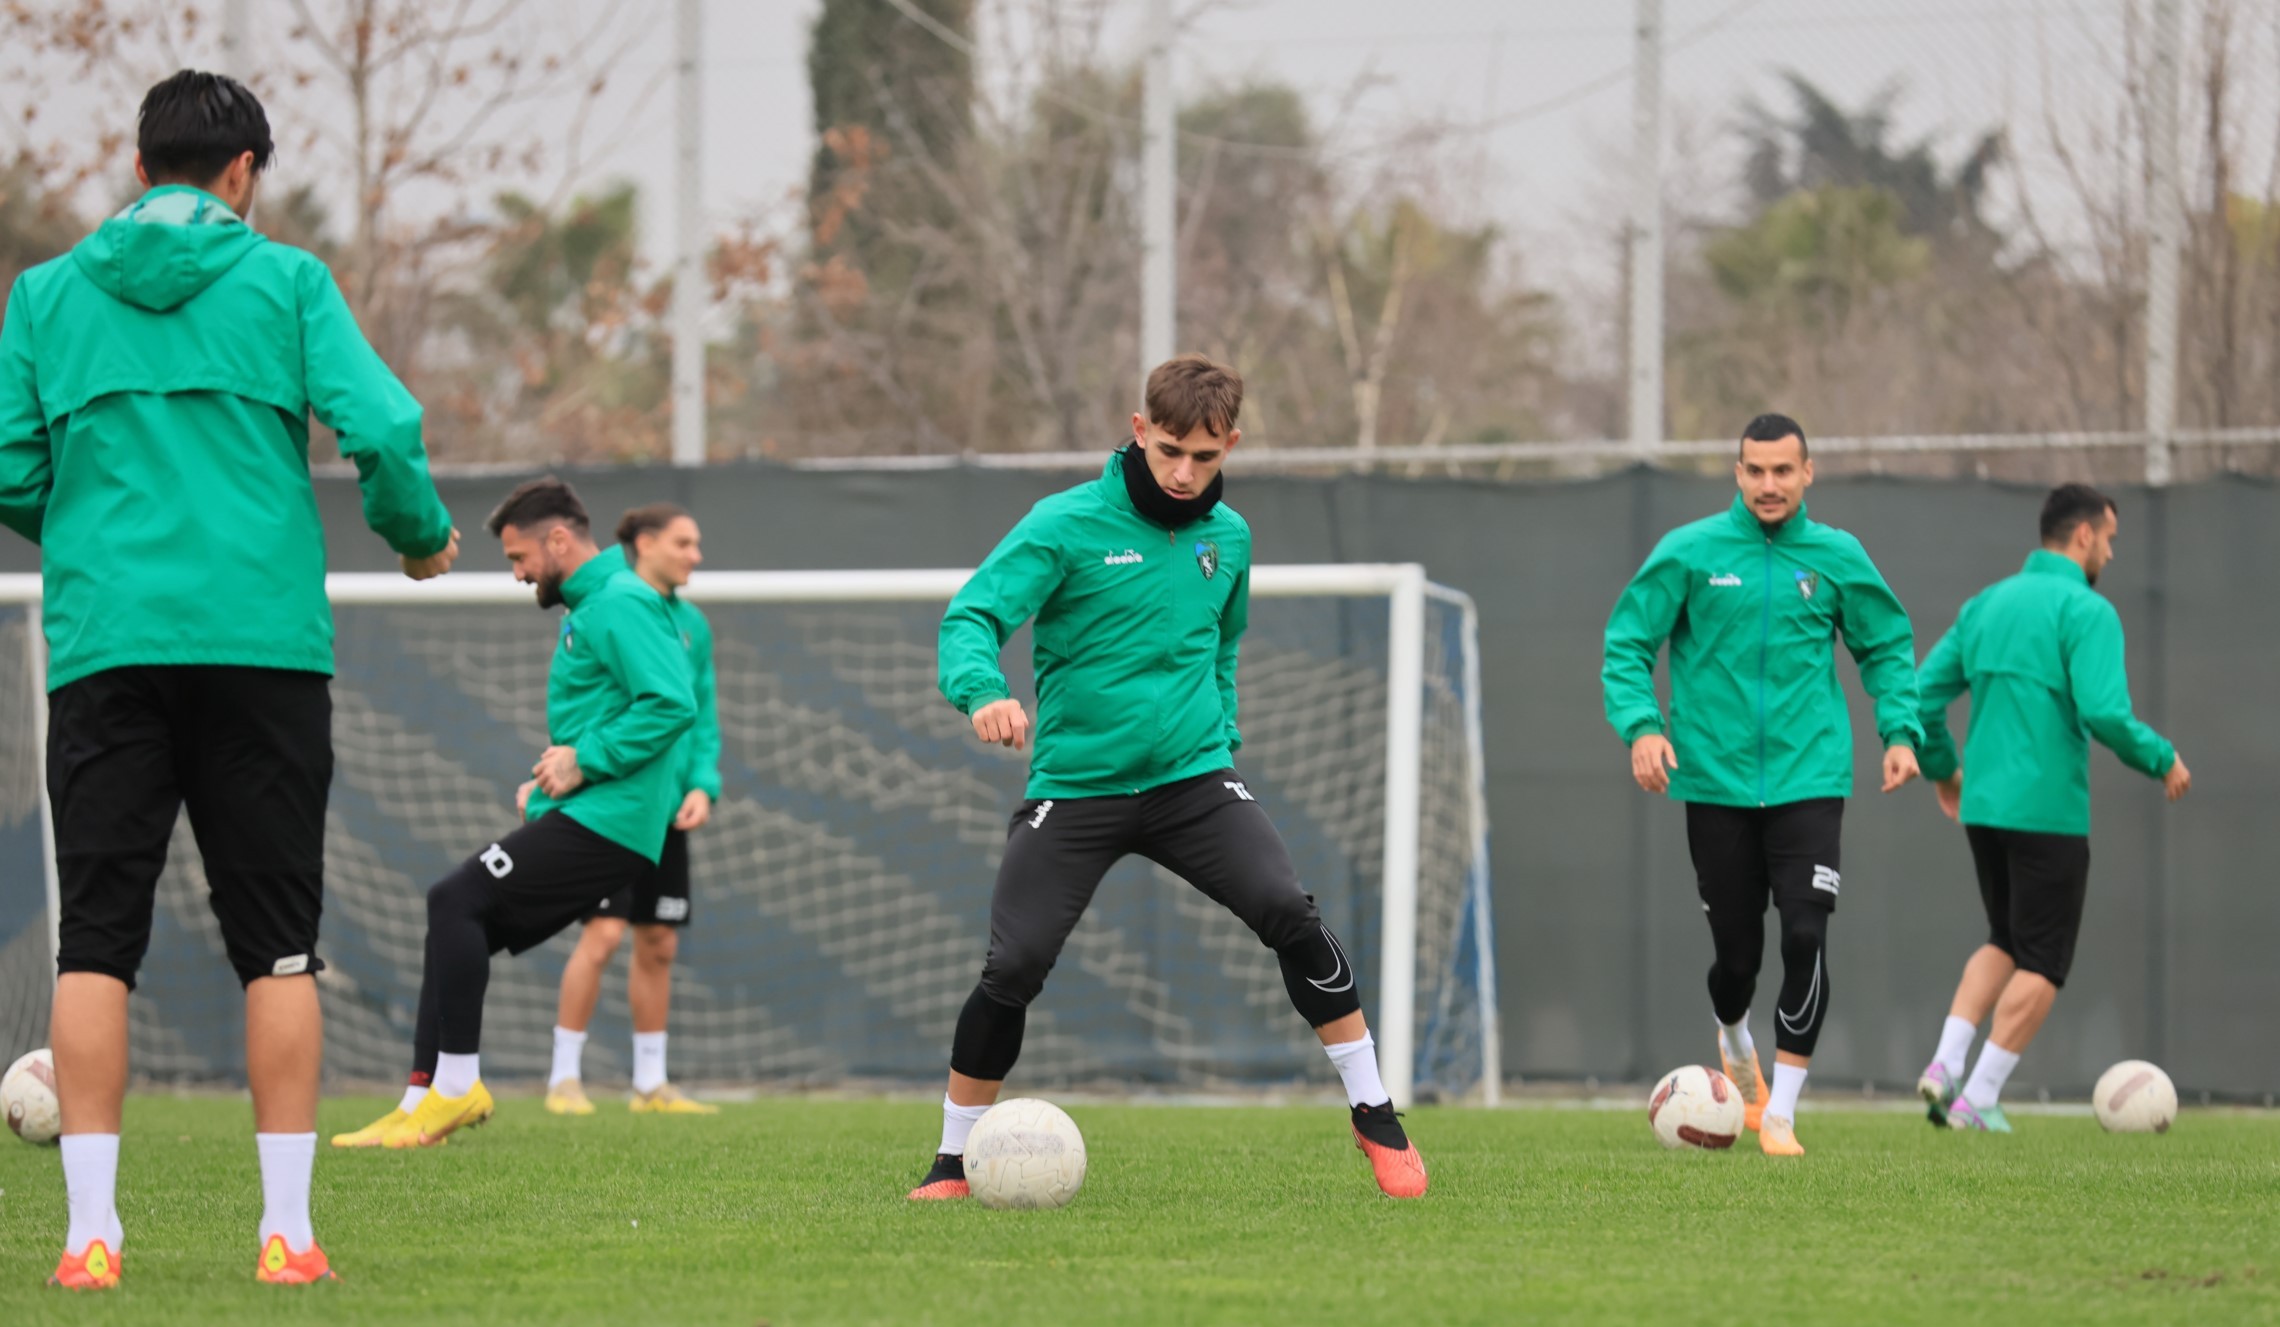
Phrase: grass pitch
(791, 1212)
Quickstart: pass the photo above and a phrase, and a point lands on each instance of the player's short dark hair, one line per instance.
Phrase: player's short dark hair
(2070, 505)
(538, 503)
(1773, 428)
(1194, 390)
(193, 125)
(649, 519)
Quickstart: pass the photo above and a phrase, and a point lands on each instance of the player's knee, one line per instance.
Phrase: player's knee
(1015, 974)
(1289, 918)
(1803, 931)
(656, 946)
(450, 899)
(599, 942)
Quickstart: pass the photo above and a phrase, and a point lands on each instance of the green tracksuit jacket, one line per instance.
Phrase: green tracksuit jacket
(1135, 643)
(700, 746)
(156, 385)
(1757, 717)
(618, 690)
(2041, 655)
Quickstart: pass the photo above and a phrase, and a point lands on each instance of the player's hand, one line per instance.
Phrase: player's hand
(434, 564)
(522, 797)
(1003, 722)
(2178, 781)
(1652, 759)
(1950, 792)
(1899, 767)
(558, 772)
(696, 809)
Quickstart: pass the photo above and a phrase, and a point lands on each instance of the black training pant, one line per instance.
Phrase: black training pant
(1208, 831)
(1745, 857)
(514, 895)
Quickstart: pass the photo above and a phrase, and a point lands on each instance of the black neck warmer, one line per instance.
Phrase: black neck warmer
(1157, 505)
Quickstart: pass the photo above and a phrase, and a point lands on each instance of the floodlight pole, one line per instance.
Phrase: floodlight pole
(1159, 202)
(2166, 223)
(1645, 257)
(689, 235)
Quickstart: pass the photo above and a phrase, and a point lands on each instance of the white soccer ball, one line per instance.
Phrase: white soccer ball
(2135, 1097)
(1025, 1154)
(27, 1094)
(1696, 1106)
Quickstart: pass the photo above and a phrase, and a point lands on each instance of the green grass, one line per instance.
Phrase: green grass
(791, 1212)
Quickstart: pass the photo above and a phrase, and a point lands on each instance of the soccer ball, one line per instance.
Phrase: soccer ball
(2135, 1097)
(27, 1093)
(1025, 1153)
(1696, 1106)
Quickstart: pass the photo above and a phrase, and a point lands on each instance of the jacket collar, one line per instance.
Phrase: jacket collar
(597, 572)
(1746, 520)
(2043, 562)
(1112, 482)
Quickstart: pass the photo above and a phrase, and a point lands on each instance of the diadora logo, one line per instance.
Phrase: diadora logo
(1732, 581)
(1124, 559)
(1826, 878)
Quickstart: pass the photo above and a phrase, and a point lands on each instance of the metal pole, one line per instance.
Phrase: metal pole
(689, 236)
(237, 38)
(1646, 247)
(2165, 218)
(1404, 748)
(1159, 202)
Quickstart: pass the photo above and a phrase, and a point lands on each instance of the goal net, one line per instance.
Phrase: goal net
(842, 887)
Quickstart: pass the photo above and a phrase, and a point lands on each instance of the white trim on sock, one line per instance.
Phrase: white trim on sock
(413, 1096)
(1734, 1039)
(286, 1162)
(569, 1056)
(456, 1075)
(1955, 1045)
(958, 1125)
(1357, 1066)
(1989, 1075)
(648, 1061)
(1788, 1085)
(91, 1187)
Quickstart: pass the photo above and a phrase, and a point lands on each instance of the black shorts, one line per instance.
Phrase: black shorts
(545, 877)
(249, 751)
(1745, 856)
(2033, 887)
(661, 896)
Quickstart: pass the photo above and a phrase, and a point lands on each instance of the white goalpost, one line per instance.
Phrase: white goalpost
(860, 823)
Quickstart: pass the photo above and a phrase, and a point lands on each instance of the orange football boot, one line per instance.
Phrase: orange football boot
(1393, 1158)
(92, 1268)
(1755, 1086)
(280, 1266)
(946, 1180)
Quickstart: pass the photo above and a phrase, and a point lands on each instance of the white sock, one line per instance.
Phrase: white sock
(648, 1061)
(455, 1075)
(1734, 1039)
(1955, 1046)
(1788, 1082)
(286, 1160)
(1358, 1066)
(1989, 1075)
(569, 1056)
(957, 1124)
(413, 1096)
(91, 1184)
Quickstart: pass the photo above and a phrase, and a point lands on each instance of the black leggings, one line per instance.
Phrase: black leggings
(1207, 831)
(1745, 857)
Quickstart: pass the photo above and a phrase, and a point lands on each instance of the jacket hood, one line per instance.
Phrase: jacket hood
(165, 248)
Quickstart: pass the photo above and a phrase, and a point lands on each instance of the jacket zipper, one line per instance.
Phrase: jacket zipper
(1765, 649)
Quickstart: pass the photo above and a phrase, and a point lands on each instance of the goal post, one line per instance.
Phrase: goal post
(863, 791)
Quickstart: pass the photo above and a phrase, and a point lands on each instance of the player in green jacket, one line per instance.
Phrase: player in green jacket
(618, 702)
(1758, 744)
(2041, 654)
(664, 546)
(1139, 582)
(156, 386)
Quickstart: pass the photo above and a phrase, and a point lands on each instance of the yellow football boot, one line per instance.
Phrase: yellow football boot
(438, 1115)
(568, 1097)
(373, 1134)
(669, 1100)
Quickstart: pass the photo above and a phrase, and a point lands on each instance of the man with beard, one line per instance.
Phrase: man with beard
(618, 700)
(2041, 654)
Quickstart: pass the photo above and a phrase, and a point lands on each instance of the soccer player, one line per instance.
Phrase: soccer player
(663, 543)
(617, 703)
(1757, 743)
(1139, 582)
(155, 390)
(2041, 654)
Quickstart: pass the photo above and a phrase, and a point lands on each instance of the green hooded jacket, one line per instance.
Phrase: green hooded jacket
(700, 746)
(1135, 643)
(1757, 717)
(619, 691)
(156, 385)
(2041, 655)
